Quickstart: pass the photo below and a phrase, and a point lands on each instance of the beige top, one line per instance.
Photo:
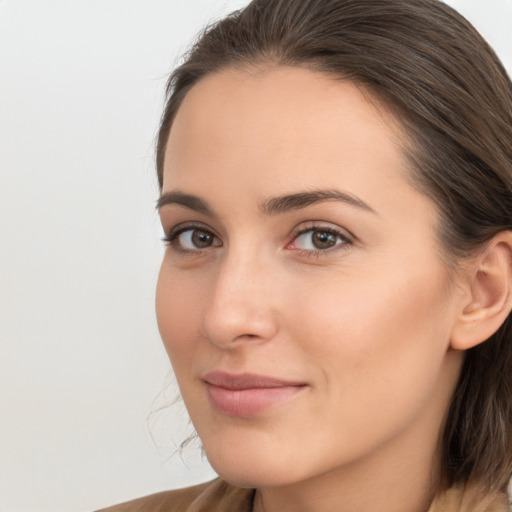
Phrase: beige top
(219, 496)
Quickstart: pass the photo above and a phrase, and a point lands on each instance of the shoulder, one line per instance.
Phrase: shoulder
(177, 500)
(213, 496)
(470, 498)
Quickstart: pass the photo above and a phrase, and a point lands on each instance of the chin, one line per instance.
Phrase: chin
(251, 477)
(253, 468)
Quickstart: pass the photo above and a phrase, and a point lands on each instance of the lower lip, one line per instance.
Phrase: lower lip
(248, 402)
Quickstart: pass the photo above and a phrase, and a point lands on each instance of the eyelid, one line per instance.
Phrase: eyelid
(320, 225)
(311, 226)
(177, 230)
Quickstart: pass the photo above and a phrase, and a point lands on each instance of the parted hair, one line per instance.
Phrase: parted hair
(433, 70)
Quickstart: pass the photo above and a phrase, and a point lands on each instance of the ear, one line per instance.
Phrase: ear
(489, 299)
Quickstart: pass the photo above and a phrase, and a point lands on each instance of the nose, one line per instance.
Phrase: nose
(241, 305)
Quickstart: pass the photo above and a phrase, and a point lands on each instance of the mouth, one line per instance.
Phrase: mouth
(247, 394)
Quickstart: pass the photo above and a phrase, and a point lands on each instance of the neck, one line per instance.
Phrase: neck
(405, 486)
(401, 475)
(359, 490)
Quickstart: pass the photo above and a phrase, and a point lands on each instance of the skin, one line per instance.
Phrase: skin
(365, 325)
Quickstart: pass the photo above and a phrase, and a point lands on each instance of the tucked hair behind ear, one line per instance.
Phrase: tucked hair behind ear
(454, 98)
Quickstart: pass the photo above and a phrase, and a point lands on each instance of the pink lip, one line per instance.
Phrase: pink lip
(247, 394)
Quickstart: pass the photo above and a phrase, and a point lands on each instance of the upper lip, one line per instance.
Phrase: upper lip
(246, 381)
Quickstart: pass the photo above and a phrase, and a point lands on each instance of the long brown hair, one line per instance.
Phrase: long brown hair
(446, 85)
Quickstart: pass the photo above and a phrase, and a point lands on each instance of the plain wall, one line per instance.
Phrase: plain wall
(81, 362)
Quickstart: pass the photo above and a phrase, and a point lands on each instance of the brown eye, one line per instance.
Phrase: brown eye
(323, 239)
(194, 239)
(317, 239)
(201, 239)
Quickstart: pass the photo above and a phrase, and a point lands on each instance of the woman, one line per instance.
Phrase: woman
(335, 297)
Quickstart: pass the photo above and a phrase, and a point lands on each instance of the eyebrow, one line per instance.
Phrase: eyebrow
(301, 200)
(188, 200)
(271, 206)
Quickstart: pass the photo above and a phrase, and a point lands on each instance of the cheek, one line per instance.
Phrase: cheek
(178, 306)
(379, 339)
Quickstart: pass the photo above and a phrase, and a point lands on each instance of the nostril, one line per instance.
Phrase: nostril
(246, 337)
(235, 314)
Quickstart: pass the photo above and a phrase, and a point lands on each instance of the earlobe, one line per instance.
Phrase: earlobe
(490, 294)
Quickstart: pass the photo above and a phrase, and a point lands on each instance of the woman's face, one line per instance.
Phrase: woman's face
(302, 298)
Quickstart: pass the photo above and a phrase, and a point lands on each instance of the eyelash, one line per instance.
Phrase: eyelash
(345, 240)
(172, 238)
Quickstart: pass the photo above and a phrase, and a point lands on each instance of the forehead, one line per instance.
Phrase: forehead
(292, 102)
(266, 130)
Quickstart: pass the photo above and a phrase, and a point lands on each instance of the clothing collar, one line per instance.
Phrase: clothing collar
(220, 496)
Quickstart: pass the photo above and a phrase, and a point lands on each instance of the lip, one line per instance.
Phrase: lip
(248, 394)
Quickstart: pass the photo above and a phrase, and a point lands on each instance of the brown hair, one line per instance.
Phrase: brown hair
(446, 85)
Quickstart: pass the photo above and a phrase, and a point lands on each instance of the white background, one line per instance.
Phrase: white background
(81, 363)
